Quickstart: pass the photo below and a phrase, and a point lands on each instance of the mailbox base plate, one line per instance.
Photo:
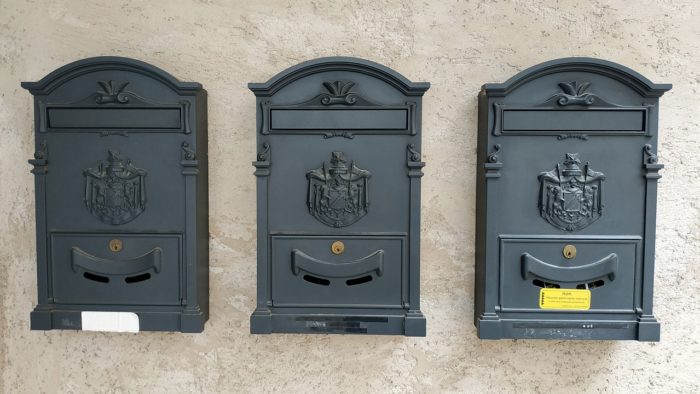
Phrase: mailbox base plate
(68, 317)
(367, 322)
(644, 329)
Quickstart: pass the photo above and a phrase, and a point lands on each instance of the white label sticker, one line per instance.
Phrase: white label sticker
(110, 321)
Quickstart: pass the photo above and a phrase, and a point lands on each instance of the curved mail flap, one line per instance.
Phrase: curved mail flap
(99, 265)
(303, 262)
(533, 267)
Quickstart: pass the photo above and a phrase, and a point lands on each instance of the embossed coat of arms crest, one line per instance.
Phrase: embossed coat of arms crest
(115, 191)
(338, 194)
(570, 196)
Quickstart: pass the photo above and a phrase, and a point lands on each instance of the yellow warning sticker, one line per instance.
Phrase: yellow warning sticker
(572, 299)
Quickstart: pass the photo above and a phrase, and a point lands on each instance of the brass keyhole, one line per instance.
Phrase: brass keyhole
(337, 247)
(569, 251)
(115, 245)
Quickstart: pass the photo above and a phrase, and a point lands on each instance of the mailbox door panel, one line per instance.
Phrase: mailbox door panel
(605, 266)
(535, 175)
(109, 183)
(367, 273)
(304, 190)
(114, 269)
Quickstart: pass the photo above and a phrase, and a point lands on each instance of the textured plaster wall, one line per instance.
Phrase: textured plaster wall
(455, 45)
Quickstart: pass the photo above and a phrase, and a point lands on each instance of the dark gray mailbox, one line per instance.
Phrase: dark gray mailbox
(121, 198)
(566, 203)
(338, 180)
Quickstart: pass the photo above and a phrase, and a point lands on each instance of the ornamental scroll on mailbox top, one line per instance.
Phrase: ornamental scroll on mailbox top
(338, 200)
(566, 203)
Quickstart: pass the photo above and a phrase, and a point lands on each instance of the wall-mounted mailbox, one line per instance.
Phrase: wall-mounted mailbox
(121, 198)
(566, 203)
(338, 180)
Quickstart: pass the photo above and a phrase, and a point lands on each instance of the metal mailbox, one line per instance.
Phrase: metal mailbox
(338, 183)
(121, 197)
(566, 203)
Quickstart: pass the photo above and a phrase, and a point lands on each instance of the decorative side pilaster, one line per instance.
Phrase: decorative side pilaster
(492, 172)
(651, 173)
(415, 172)
(190, 169)
(261, 319)
(40, 171)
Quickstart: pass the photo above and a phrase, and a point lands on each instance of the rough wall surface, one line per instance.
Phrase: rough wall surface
(456, 45)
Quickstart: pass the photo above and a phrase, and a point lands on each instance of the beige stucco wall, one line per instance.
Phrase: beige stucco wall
(455, 45)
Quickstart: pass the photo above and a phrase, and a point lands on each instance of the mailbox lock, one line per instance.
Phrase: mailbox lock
(115, 245)
(569, 251)
(338, 247)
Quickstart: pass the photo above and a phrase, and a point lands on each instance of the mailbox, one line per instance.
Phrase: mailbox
(566, 203)
(121, 198)
(338, 188)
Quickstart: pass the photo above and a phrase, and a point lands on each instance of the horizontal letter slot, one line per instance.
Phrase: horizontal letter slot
(114, 118)
(591, 120)
(339, 119)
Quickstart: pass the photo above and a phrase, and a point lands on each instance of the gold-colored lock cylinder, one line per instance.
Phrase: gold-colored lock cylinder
(116, 245)
(338, 247)
(569, 251)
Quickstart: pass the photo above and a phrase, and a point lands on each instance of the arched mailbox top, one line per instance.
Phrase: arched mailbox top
(339, 63)
(108, 63)
(625, 75)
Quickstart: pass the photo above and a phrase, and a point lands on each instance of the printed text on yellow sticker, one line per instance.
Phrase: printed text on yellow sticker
(572, 299)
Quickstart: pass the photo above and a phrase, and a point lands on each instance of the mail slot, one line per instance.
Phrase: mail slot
(367, 274)
(121, 195)
(338, 188)
(566, 203)
(145, 271)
